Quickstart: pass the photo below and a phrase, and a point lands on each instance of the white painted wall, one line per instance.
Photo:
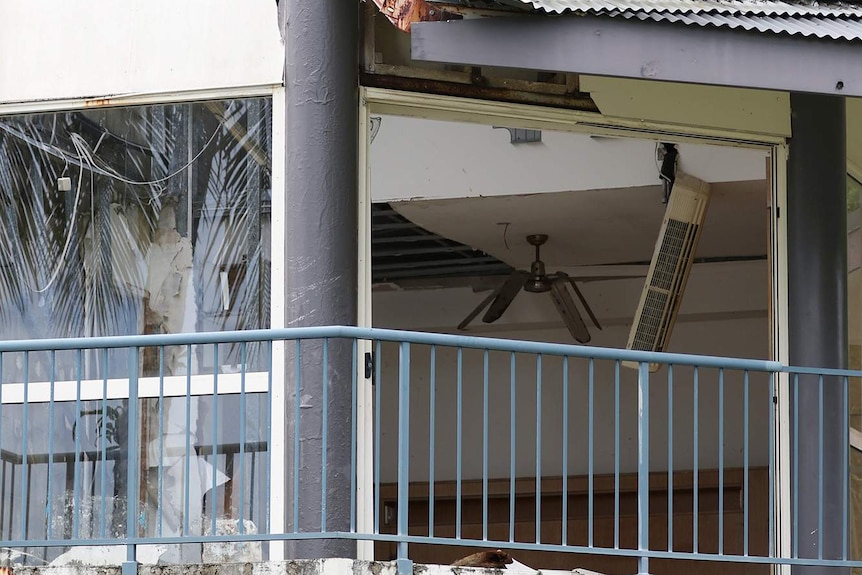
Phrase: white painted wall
(414, 158)
(723, 313)
(98, 48)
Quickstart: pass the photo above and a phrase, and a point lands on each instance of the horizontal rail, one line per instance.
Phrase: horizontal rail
(113, 453)
(526, 446)
(376, 334)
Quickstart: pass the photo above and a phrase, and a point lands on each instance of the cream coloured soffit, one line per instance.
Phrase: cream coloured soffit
(734, 109)
(854, 137)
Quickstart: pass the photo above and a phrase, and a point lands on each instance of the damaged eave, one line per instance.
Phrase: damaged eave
(404, 13)
(648, 50)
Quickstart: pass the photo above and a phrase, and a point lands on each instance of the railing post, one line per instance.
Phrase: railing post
(643, 467)
(130, 565)
(404, 564)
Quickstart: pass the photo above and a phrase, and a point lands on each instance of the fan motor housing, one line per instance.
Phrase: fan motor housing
(538, 281)
(537, 285)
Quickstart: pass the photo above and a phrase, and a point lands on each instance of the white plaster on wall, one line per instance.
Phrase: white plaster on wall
(98, 48)
(415, 158)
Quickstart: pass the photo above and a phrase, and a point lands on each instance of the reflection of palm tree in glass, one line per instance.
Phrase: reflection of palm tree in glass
(72, 263)
(67, 264)
(69, 259)
(75, 263)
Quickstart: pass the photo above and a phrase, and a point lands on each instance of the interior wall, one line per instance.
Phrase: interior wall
(599, 200)
(723, 313)
(417, 158)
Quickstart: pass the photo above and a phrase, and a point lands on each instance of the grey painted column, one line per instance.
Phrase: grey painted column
(321, 79)
(817, 272)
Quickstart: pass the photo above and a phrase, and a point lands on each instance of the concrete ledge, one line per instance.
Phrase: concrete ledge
(299, 567)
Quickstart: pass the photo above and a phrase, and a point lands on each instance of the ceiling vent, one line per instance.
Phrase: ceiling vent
(670, 266)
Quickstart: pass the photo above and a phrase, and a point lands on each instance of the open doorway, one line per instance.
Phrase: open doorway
(455, 202)
(453, 206)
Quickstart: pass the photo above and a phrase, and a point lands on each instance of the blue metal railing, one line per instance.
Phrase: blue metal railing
(477, 442)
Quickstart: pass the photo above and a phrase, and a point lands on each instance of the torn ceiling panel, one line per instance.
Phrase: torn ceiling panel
(402, 251)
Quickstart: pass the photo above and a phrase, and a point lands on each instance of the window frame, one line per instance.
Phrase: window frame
(205, 384)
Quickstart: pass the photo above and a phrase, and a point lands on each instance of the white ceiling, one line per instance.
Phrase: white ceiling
(593, 227)
(598, 198)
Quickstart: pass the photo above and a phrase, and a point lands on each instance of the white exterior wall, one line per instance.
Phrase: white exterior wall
(102, 48)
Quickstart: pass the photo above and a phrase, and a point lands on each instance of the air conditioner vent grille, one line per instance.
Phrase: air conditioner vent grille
(672, 247)
(671, 264)
(649, 323)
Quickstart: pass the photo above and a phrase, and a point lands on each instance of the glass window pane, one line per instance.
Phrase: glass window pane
(136, 220)
(74, 481)
(140, 220)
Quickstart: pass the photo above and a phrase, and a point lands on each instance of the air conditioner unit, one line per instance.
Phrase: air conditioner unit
(670, 266)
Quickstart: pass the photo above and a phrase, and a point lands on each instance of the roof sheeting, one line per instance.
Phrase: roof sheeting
(810, 19)
(733, 7)
(707, 51)
(834, 28)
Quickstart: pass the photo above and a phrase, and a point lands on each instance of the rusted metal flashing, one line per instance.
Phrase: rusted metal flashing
(404, 13)
(579, 101)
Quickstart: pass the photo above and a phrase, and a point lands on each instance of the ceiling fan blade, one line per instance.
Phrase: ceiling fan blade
(480, 307)
(571, 317)
(508, 291)
(581, 297)
(606, 278)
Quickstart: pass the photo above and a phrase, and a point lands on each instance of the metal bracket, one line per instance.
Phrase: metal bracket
(374, 126)
(403, 566)
(130, 568)
(522, 136)
(369, 365)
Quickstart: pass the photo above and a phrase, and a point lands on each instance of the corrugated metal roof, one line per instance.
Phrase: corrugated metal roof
(837, 21)
(834, 28)
(733, 7)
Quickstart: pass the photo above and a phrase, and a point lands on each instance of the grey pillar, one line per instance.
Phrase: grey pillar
(321, 79)
(817, 273)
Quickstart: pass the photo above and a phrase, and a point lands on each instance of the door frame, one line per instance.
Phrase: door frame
(375, 101)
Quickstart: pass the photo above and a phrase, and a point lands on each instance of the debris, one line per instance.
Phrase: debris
(489, 559)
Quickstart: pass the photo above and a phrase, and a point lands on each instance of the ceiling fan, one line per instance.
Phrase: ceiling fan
(537, 280)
